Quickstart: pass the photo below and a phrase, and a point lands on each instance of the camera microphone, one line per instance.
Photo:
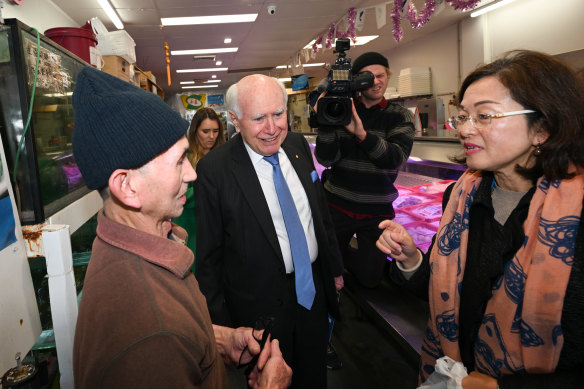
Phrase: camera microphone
(316, 92)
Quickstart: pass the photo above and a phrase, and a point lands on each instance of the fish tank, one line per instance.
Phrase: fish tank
(37, 121)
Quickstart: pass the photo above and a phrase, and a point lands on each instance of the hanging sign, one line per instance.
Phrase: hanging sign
(194, 101)
(216, 100)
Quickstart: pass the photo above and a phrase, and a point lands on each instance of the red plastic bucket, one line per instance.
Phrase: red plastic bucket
(79, 41)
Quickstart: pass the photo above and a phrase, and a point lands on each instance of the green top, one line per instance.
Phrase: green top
(188, 221)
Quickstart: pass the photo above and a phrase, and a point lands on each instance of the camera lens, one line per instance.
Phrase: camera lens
(334, 109)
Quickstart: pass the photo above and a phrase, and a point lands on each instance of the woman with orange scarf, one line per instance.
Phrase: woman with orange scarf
(505, 274)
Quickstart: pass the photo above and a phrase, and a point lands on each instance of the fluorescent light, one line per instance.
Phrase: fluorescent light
(218, 63)
(202, 70)
(205, 51)
(284, 79)
(363, 40)
(306, 65)
(227, 41)
(187, 82)
(210, 81)
(214, 19)
(360, 40)
(200, 87)
(214, 76)
(490, 8)
(111, 14)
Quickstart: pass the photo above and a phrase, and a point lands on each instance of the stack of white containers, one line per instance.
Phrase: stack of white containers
(415, 82)
(118, 43)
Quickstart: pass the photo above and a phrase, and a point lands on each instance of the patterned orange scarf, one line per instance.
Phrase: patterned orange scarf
(521, 328)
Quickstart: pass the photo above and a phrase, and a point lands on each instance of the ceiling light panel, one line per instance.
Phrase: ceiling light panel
(360, 40)
(202, 70)
(111, 13)
(205, 51)
(201, 86)
(214, 19)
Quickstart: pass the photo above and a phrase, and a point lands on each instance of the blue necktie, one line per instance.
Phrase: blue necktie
(305, 291)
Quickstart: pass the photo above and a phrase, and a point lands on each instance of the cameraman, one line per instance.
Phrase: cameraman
(364, 157)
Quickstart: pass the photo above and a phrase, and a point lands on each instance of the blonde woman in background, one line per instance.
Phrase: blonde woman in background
(205, 133)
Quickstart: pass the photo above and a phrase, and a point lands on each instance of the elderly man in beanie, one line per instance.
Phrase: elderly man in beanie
(143, 322)
(365, 156)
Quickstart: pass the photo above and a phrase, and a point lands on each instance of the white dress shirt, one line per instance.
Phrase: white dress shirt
(264, 171)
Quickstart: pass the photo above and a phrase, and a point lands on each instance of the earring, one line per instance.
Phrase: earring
(537, 151)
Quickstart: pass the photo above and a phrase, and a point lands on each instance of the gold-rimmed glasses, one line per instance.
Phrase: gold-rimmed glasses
(482, 119)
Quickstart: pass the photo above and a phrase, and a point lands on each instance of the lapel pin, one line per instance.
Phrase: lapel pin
(296, 156)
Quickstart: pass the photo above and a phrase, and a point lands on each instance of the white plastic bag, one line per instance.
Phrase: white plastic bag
(448, 374)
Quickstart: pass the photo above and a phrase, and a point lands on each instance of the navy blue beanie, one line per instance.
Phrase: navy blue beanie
(118, 126)
(370, 58)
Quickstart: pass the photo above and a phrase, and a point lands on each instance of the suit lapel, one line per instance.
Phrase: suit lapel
(302, 167)
(246, 177)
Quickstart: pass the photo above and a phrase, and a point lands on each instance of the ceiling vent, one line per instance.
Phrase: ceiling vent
(204, 57)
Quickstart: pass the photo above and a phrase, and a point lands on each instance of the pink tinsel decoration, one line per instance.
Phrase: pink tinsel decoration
(463, 5)
(350, 33)
(330, 36)
(317, 42)
(397, 30)
(418, 21)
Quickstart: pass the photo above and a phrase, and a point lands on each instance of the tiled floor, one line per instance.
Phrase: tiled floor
(371, 358)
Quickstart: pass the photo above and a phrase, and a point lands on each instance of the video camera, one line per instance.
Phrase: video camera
(334, 109)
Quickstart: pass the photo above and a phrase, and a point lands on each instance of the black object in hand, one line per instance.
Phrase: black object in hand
(266, 325)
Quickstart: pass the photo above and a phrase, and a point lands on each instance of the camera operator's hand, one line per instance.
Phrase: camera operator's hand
(355, 127)
(323, 94)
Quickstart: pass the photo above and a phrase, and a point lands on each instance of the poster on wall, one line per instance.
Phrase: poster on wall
(194, 101)
(7, 224)
(215, 101)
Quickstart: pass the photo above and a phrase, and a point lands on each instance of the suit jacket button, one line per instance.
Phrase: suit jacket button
(280, 302)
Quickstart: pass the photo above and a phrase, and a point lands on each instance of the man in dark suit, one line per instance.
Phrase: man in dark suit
(246, 263)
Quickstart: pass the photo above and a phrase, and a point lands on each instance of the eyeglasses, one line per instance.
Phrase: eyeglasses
(482, 119)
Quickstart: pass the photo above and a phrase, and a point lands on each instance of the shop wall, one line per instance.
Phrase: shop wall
(40, 14)
(551, 27)
(438, 51)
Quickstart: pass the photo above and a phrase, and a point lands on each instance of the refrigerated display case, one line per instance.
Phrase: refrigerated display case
(38, 140)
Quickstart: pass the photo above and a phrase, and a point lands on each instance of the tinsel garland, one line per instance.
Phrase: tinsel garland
(418, 21)
(350, 33)
(396, 30)
(463, 5)
(317, 42)
(334, 32)
(330, 36)
(429, 8)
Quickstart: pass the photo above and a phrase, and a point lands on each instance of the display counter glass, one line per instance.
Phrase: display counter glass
(47, 177)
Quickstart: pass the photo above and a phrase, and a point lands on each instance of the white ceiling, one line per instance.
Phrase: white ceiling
(270, 41)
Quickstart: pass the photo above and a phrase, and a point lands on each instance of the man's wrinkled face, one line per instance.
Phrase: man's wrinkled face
(263, 123)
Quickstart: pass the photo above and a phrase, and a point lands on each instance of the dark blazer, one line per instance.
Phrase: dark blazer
(238, 261)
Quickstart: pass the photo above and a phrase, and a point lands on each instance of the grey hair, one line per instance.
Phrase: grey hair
(232, 97)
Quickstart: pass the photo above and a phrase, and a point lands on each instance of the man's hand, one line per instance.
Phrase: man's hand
(355, 126)
(271, 371)
(397, 242)
(236, 345)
